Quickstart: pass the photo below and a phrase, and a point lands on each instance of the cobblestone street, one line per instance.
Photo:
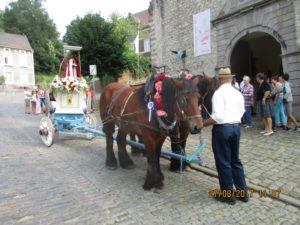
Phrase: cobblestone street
(69, 184)
(272, 162)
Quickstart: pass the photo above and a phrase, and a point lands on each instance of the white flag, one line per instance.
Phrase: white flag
(137, 42)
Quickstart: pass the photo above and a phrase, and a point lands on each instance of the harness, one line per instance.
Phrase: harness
(163, 127)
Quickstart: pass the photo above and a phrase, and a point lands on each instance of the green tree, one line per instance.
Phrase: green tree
(125, 26)
(101, 45)
(1, 21)
(30, 18)
(128, 28)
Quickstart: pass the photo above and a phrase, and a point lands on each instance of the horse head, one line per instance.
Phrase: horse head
(180, 98)
(207, 86)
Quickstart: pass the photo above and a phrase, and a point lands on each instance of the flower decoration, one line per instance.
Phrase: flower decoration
(188, 76)
(158, 95)
(68, 84)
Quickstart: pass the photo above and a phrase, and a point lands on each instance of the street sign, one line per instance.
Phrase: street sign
(93, 70)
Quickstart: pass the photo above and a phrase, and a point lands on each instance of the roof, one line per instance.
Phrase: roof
(142, 16)
(16, 41)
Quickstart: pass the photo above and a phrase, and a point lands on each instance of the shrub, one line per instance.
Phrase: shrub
(2, 80)
(139, 65)
(43, 80)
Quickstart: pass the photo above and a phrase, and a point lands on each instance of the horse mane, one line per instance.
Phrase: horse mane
(168, 96)
(203, 85)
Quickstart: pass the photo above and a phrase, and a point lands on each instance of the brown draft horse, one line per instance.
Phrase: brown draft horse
(125, 107)
(206, 86)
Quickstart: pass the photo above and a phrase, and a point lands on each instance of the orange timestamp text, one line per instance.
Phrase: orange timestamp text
(274, 193)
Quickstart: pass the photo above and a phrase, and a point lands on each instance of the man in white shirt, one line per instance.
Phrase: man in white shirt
(227, 111)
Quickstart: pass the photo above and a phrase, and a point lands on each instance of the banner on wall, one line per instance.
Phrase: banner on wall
(202, 40)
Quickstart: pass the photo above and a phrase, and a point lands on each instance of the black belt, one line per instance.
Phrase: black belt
(228, 125)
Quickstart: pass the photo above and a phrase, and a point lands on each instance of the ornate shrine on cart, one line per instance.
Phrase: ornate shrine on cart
(69, 111)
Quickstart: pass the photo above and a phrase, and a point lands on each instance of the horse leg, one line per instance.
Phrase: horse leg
(154, 178)
(158, 164)
(142, 142)
(134, 151)
(177, 148)
(124, 159)
(111, 161)
(178, 141)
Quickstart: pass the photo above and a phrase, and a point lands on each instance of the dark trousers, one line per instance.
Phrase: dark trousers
(248, 116)
(226, 144)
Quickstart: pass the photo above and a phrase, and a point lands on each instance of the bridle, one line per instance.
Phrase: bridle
(183, 115)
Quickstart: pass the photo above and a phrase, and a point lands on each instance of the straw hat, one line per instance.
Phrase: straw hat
(225, 73)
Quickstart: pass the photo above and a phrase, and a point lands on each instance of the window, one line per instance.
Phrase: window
(24, 78)
(23, 58)
(147, 47)
(9, 79)
(7, 57)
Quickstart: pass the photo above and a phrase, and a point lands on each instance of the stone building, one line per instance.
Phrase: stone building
(142, 18)
(16, 60)
(249, 36)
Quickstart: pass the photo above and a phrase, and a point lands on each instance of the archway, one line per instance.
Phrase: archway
(256, 52)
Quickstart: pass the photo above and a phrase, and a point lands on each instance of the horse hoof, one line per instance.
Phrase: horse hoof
(157, 190)
(147, 187)
(136, 153)
(128, 167)
(159, 185)
(111, 167)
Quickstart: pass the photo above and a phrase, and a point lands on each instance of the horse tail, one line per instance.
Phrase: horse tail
(105, 100)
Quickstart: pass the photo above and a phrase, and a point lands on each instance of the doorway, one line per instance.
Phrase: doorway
(256, 52)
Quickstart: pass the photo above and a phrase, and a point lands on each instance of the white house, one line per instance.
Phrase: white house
(16, 60)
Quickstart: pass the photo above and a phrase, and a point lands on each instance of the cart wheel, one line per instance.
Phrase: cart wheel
(47, 131)
(90, 120)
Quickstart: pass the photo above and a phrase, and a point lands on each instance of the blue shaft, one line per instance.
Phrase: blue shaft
(165, 152)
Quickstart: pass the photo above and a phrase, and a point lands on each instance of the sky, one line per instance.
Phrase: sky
(62, 12)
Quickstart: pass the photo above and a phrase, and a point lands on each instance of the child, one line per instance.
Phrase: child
(35, 103)
(27, 96)
(41, 97)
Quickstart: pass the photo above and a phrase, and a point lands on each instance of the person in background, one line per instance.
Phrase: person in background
(52, 103)
(242, 85)
(288, 101)
(227, 110)
(280, 119)
(265, 103)
(247, 92)
(41, 97)
(89, 99)
(35, 103)
(27, 97)
(235, 84)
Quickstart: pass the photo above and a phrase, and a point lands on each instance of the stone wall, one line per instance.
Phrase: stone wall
(274, 17)
(172, 29)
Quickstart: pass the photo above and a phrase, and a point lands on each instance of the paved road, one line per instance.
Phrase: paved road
(68, 183)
